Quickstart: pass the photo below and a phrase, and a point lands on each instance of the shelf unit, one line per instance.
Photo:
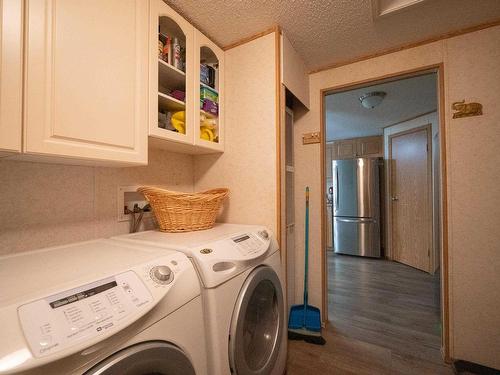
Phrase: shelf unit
(165, 78)
(207, 52)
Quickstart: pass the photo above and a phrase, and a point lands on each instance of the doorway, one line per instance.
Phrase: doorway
(409, 218)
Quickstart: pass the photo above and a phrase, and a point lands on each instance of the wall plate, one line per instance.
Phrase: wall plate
(128, 196)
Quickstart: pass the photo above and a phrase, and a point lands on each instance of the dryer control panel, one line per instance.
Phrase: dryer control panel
(249, 244)
(222, 259)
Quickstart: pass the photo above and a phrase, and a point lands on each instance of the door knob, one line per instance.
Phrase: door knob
(394, 198)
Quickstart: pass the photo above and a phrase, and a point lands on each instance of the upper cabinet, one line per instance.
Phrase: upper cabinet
(358, 148)
(86, 91)
(186, 85)
(171, 44)
(209, 88)
(370, 146)
(11, 75)
(345, 149)
(95, 82)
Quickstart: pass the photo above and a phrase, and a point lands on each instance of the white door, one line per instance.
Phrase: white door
(11, 75)
(87, 79)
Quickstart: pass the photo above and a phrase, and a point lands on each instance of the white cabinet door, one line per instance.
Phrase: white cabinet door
(87, 80)
(11, 71)
(208, 53)
(166, 76)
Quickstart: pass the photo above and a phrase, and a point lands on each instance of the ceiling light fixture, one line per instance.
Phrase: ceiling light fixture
(372, 99)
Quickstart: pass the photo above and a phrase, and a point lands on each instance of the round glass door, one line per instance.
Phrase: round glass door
(257, 324)
(149, 358)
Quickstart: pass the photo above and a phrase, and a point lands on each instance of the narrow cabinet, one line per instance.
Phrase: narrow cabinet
(86, 85)
(209, 88)
(171, 45)
(186, 85)
(11, 75)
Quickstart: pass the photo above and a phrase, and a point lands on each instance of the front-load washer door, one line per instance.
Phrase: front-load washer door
(257, 324)
(152, 357)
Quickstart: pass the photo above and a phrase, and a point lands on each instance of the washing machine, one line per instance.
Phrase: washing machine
(101, 308)
(239, 268)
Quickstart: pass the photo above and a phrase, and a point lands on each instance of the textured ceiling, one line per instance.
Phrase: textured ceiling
(407, 98)
(332, 31)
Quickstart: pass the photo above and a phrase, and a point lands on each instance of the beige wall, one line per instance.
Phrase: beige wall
(50, 204)
(248, 165)
(471, 72)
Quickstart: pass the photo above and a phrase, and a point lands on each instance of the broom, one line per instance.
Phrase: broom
(304, 322)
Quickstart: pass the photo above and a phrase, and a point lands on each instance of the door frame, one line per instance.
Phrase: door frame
(286, 226)
(389, 222)
(444, 269)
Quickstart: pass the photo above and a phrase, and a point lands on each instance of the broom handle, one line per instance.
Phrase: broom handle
(306, 251)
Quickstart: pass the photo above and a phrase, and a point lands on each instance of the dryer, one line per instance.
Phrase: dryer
(239, 268)
(100, 308)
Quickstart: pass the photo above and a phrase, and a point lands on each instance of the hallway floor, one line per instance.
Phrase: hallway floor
(384, 319)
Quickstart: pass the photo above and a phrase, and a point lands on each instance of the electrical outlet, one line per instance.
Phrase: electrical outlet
(128, 197)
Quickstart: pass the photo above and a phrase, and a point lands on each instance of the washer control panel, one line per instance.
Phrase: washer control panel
(53, 323)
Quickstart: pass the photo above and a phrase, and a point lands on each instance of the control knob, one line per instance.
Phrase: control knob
(264, 234)
(162, 274)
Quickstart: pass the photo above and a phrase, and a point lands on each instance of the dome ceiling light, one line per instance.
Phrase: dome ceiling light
(372, 99)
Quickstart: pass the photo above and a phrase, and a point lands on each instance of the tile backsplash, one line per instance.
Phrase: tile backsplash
(49, 204)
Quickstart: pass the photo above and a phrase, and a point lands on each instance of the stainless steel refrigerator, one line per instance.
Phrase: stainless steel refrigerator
(356, 206)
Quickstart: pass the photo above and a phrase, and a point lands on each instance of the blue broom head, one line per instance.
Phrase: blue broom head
(308, 318)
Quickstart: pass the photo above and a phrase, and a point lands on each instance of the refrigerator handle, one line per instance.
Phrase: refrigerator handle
(337, 188)
(355, 220)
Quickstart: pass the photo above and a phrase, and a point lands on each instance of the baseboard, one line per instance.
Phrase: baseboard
(464, 367)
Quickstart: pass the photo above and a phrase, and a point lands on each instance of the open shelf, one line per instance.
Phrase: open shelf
(209, 115)
(171, 77)
(168, 103)
(208, 87)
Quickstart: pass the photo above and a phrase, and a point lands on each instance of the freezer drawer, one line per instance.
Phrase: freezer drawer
(356, 236)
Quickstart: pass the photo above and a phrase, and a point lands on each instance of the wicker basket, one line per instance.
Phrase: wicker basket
(184, 212)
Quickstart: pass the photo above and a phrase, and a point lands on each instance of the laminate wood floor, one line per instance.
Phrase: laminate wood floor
(384, 319)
